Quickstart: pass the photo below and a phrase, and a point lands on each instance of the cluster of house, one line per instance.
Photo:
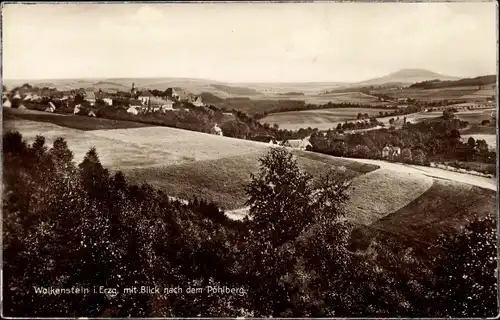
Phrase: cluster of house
(138, 101)
(145, 101)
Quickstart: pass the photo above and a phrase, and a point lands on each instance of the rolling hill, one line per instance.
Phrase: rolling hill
(405, 76)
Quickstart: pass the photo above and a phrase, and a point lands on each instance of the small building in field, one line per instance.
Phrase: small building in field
(391, 153)
(300, 144)
(91, 114)
(22, 107)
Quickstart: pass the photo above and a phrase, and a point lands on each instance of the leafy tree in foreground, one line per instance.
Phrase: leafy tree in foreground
(299, 237)
(466, 275)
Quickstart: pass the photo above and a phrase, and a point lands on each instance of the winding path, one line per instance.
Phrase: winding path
(482, 182)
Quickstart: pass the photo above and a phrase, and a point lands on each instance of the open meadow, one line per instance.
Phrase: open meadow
(183, 163)
(322, 119)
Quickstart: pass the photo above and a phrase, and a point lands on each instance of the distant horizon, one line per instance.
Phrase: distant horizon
(230, 82)
(247, 42)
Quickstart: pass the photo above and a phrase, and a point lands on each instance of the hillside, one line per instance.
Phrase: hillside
(405, 76)
(486, 81)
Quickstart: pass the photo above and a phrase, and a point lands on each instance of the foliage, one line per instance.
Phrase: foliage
(466, 272)
(80, 226)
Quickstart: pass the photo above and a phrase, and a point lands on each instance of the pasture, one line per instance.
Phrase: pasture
(223, 180)
(182, 163)
(112, 153)
(322, 119)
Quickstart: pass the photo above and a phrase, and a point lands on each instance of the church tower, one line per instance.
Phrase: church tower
(133, 91)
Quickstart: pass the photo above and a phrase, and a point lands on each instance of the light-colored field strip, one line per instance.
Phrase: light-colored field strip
(112, 153)
(482, 182)
(183, 143)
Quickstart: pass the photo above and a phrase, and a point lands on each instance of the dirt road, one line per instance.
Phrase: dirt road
(482, 182)
(487, 183)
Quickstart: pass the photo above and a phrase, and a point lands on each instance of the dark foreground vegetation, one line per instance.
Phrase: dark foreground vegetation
(78, 226)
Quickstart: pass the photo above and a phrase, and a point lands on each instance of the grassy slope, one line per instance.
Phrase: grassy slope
(223, 180)
(444, 208)
(379, 193)
(71, 121)
(112, 153)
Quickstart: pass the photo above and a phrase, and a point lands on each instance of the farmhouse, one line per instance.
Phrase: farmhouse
(301, 144)
(390, 152)
(145, 97)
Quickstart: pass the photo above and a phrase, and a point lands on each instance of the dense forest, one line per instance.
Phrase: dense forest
(68, 225)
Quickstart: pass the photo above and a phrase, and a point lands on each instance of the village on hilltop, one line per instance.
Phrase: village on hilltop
(87, 102)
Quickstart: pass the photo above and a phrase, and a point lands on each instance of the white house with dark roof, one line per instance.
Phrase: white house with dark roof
(390, 152)
(301, 144)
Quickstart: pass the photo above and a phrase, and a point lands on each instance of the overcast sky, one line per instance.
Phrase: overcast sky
(283, 42)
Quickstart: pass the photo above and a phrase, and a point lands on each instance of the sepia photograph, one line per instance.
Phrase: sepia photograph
(249, 160)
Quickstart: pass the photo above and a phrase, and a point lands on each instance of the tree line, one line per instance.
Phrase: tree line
(436, 140)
